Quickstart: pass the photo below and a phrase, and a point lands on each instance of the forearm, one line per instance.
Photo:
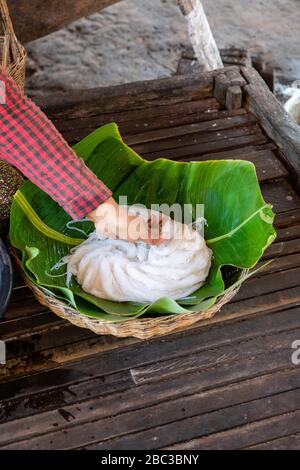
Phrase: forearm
(29, 141)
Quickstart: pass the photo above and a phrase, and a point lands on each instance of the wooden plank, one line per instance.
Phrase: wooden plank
(240, 152)
(38, 341)
(28, 307)
(178, 431)
(23, 327)
(267, 303)
(282, 249)
(135, 95)
(57, 396)
(189, 53)
(51, 358)
(231, 60)
(156, 128)
(126, 397)
(172, 119)
(142, 118)
(61, 337)
(52, 380)
(290, 442)
(283, 273)
(275, 120)
(222, 83)
(282, 195)
(57, 380)
(234, 74)
(134, 127)
(117, 359)
(282, 263)
(164, 369)
(164, 408)
(47, 358)
(248, 435)
(288, 233)
(21, 293)
(229, 122)
(214, 136)
(289, 218)
(191, 152)
(230, 56)
(270, 283)
(234, 97)
(233, 311)
(190, 65)
(244, 436)
(42, 324)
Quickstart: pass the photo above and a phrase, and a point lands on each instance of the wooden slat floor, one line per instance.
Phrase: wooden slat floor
(225, 383)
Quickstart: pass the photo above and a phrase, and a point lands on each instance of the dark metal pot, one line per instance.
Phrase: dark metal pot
(6, 278)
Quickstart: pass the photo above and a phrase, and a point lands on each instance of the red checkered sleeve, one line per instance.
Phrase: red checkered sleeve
(30, 142)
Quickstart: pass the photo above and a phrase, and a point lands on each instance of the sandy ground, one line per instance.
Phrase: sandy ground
(143, 39)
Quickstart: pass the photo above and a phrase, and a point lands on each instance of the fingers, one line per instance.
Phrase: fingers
(105, 231)
(120, 224)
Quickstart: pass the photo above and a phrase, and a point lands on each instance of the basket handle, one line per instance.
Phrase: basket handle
(5, 17)
(8, 26)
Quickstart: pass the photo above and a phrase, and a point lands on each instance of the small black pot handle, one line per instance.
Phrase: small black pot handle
(6, 278)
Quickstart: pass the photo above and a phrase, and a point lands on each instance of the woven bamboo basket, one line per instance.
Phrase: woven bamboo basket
(142, 328)
(12, 53)
(12, 57)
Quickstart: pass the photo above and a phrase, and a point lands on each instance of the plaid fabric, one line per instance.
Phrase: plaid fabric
(29, 141)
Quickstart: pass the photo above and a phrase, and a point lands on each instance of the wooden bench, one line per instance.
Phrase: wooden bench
(226, 383)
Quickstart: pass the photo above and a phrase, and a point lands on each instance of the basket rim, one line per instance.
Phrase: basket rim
(141, 327)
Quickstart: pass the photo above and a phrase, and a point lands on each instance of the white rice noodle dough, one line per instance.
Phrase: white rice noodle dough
(124, 271)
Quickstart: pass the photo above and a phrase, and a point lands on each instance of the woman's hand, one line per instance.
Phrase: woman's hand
(114, 221)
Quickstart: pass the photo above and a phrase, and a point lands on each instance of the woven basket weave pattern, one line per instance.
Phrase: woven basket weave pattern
(12, 53)
(142, 328)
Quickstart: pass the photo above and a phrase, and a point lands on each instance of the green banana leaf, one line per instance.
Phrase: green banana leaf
(239, 222)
